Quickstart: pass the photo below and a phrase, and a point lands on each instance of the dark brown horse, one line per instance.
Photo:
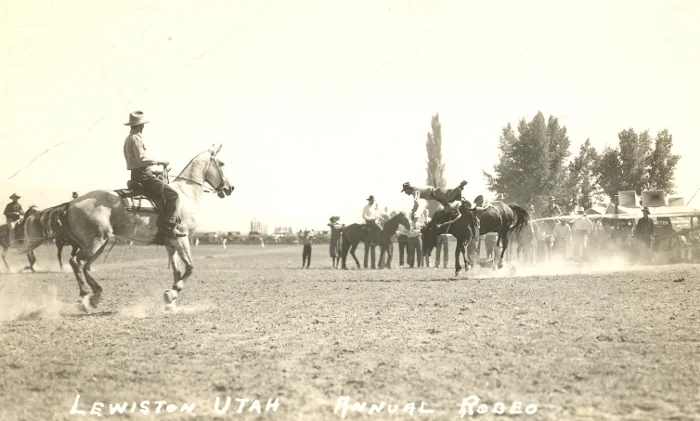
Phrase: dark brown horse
(502, 219)
(444, 222)
(354, 233)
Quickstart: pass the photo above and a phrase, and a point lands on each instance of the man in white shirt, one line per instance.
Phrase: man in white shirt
(562, 237)
(370, 216)
(582, 227)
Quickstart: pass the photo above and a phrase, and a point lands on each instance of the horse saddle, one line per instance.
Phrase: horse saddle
(136, 199)
(365, 228)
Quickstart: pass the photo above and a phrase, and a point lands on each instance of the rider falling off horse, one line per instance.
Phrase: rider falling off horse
(442, 196)
(139, 162)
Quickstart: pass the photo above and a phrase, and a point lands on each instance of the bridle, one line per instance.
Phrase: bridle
(204, 187)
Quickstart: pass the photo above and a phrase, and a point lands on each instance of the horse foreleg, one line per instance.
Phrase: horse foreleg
(366, 257)
(389, 255)
(182, 248)
(91, 254)
(85, 291)
(345, 247)
(382, 257)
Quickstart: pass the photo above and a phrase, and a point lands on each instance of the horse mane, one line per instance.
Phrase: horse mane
(189, 162)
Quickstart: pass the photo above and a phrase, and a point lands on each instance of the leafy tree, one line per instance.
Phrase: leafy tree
(662, 163)
(609, 171)
(435, 166)
(531, 165)
(581, 186)
(634, 165)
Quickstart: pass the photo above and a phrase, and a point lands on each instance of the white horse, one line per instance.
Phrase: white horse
(95, 216)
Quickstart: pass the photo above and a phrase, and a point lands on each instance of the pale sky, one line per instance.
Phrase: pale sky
(320, 103)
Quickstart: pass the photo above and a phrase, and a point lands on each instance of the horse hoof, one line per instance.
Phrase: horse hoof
(95, 300)
(169, 296)
(85, 303)
(171, 307)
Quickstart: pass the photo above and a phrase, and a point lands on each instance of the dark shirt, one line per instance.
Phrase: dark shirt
(553, 210)
(335, 231)
(13, 211)
(645, 227)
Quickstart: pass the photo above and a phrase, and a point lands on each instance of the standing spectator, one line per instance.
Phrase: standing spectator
(644, 233)
(75, 195)
(582, 227)
(336, 240)
(423, 221)
(553, 210)
(444, 249)
(307, 240)
(402, 238)
(414, 249)
(415, 243)
(562, 237)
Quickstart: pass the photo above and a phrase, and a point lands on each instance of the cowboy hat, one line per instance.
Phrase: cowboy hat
(579, 209)
(136, 119)
(406, 186)
(646, 209)
(334, 218)
(14, 196)
(371, 197)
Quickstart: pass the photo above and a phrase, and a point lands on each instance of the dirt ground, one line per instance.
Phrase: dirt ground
(607, 345)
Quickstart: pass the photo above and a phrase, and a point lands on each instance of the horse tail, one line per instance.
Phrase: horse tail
(522, 218)
(43, 226)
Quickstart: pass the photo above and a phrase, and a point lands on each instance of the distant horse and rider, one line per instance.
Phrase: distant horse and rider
(17, 239)
(60, 242)
(353, 234)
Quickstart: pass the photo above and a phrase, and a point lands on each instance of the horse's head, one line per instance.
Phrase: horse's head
(430, 232)
(214, 174)
(31, 211)
(403, 220)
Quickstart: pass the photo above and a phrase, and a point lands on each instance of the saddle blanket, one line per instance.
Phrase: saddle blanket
(137, 202)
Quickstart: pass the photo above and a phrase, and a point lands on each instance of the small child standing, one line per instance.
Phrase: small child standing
(307, 240)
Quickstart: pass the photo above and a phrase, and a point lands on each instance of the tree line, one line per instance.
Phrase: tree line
(535, 163)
